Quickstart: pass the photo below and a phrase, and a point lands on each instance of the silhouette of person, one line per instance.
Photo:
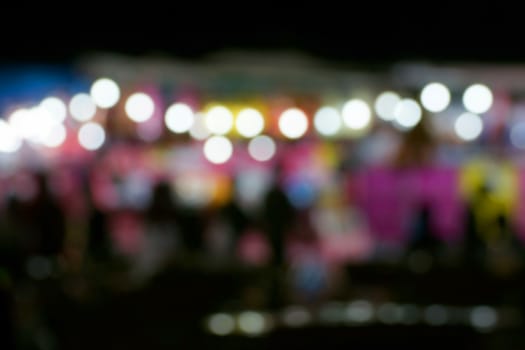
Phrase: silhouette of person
(236, 218)
(417, 147)
(474, 244)
(161, 231)
(192, 223)
(99, 244)
(48, 221)
(422, 233)
(277, 218)
(162, 208)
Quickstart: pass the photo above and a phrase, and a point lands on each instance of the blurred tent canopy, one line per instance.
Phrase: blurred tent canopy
(297, 71)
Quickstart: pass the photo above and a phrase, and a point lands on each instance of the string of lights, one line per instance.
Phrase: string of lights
(86, 115)
(359, 313)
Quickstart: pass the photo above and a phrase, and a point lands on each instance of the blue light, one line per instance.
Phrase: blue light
(30, 84)
(301, 193)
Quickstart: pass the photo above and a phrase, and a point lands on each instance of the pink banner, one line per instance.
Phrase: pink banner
(390, 198)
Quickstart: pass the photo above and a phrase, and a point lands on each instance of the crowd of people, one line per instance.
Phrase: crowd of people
(54, 227)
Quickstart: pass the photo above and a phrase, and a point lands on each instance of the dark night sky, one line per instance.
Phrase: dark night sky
(196, 45)
(353, 38)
